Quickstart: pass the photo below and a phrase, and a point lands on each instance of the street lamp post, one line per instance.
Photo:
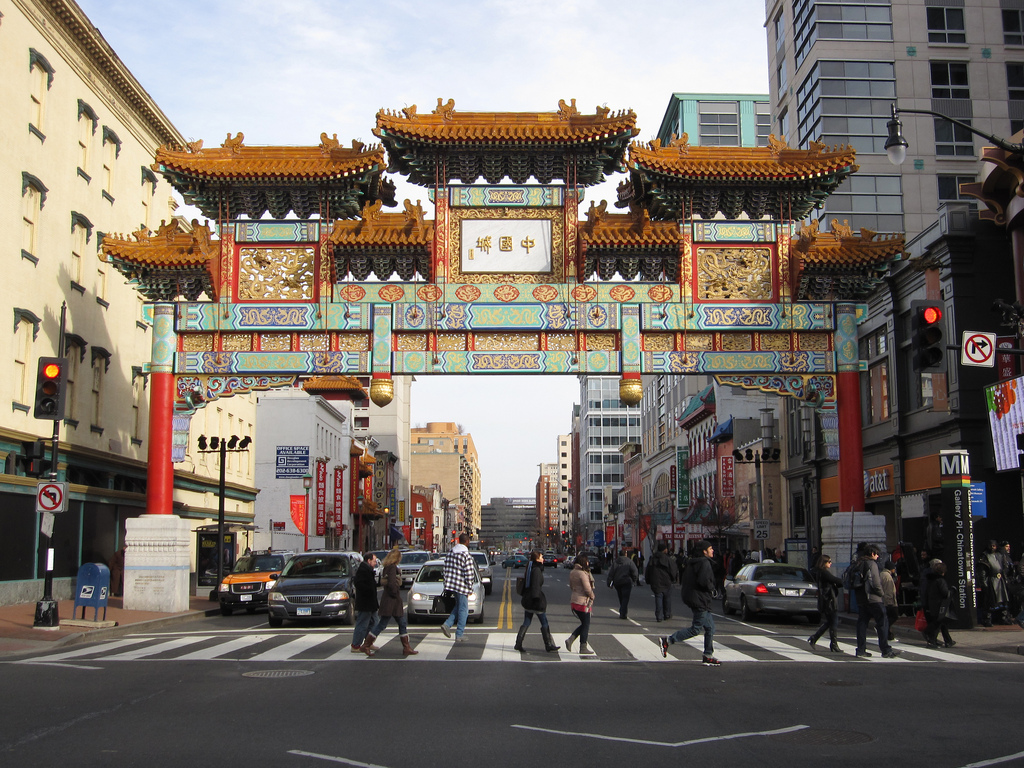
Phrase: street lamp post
(307, 483)
(222, 445)
(767, 455)
(896, 145)
(672, 511)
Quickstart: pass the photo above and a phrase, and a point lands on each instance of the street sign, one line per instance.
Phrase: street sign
(51, 497)
(761, 530)
(978, 349)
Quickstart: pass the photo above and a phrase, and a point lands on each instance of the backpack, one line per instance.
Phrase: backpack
(855, 576)
(649, 571)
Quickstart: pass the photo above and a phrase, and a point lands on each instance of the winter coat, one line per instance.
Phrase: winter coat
(698, 584)
(534, 599)
(662, 572)
(993, 582)
(581, 583)
(622, 572)
(366, 588)
(391, 600)
(872, 592)
(888, 588)
(829, 587)
(936, 596)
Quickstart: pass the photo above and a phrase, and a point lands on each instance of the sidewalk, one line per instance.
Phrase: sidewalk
(17, 635)
(1000, 639)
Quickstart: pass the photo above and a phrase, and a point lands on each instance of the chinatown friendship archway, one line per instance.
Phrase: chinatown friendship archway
(305, 274)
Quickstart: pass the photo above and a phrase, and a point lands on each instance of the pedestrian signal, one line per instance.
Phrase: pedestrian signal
(51, 388)
(929, 336)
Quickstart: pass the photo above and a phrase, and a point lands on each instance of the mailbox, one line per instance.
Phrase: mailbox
(93, 589)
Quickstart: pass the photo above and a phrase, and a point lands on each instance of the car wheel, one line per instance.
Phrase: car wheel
(487, 589)
(726, 608)
(225, 610)
(347, 616)
(745, 613)
(275, 622)
(479, 618)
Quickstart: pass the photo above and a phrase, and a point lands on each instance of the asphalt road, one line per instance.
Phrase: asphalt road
(454, 707)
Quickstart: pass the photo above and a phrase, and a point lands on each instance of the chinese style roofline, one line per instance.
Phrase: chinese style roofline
(840, 263)
(394, 230)
(330, 384)
(173, 261)
(604, 230)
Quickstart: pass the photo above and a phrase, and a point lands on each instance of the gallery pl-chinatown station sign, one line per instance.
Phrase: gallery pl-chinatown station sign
(958, 534)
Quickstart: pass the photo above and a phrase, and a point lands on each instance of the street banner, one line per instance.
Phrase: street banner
(321, 497)
(728, 477)
(339, 496)
(682, 478)
(1006, 364)
(958, 535)
(297, 505)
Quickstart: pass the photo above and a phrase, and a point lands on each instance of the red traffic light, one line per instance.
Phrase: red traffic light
(931, 315)
(51, 370)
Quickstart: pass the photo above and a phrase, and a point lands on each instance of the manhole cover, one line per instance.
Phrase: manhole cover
(842, 683)
(278, 673)
(812, 736)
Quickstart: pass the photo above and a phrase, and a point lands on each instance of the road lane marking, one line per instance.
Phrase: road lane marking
(995, 760)
(93, 649)
(292, 648)
(691, 742)
(153, 650)
(58, 664)
(642, 647)
(222, 649)
(499, 648)
(333, 759)
(790, 652)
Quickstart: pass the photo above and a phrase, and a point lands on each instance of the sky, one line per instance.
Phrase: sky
(283, 72)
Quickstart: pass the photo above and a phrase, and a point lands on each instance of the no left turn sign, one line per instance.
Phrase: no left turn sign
(51, 497)
(978, 349)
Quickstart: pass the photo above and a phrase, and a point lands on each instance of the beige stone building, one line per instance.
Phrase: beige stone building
(78, 134)
(442, 453)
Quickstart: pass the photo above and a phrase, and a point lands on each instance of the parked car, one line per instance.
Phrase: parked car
(483, 565)
(250, 581)
(596, 561)
(514, 561)
(775, 588)
(412, 559)
(550, 558)
(428, 584)
(315, 585)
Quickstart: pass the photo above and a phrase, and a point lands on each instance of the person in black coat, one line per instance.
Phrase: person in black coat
(535, 602)
(936, 607)
(366, 601)
(830, 587)
(661, 574)
(699, 588)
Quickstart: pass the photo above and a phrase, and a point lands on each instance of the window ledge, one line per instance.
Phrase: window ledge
(72, 423)
(29, 257)
(949, 45)
(136, 441)
(84, 175)
(102, 302)
(16, 406)
(37, 133)
(95, 430)
(142, 325)
(107, 196)
(77, 287)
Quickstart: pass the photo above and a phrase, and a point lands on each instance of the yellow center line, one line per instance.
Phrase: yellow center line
(505, 608)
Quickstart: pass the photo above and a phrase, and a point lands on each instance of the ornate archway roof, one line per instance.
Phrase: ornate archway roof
(841, 265)
(679, 179)
(171, 262)
(330, 384)
(384, 243)
(234, 179)
(632, 230)
(445, 144)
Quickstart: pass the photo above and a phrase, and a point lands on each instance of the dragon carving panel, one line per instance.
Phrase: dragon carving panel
(725, 274)
(275, 273)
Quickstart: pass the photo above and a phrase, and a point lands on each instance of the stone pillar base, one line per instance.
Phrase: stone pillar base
(156, 564)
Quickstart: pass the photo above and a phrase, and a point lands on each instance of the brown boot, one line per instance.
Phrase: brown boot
(368, 647)
(406, 648)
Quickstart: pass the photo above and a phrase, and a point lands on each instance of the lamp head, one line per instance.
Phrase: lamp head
(895, 145)
(202, 442)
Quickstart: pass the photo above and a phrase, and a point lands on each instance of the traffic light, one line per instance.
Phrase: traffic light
(929, 336)
(51, 388)
(34, 459)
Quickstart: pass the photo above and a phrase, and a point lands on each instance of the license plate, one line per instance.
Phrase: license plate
(303, 611)
(792, 592)
(245, 598)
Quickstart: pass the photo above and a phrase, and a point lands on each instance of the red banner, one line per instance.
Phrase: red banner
(298, 510)
(339, 496)
(321, 498)
(1006, 364)
(728, 477)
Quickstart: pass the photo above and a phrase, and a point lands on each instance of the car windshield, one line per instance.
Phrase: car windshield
(316, 565)
(781, 572)
(431, 574)
(415, 557)
(480, 557)
(259, 564)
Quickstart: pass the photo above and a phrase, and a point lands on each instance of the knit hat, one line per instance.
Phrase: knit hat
(703, 544)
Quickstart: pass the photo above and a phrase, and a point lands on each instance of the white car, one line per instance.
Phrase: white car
(483, 565)
(428, 584)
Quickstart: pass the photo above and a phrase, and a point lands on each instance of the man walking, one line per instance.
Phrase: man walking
(867, 585)
(661, 574)
(366, 603)
(459, 571)
(698, 590)
(623, 575)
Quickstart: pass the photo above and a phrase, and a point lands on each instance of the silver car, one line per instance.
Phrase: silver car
(411, 561)
(777, 588)
(483, 565)
(428, 584)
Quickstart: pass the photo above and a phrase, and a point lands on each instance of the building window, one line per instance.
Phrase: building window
(31, 202)
(784, 125)
(952, 140)
(79, 240)
(42, 78)
(763, 123)
(24, 333)
(874, 202)
(949, 80)
(949, 187)
(780, 78)
(1013, 27)
(719, 123)
(868, 20)
(1015, 81)
(875, 350)
(843, 102)
(780, 31)
(946, 25)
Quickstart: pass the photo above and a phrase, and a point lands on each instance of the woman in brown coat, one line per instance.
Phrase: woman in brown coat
(391, 605)
(581, 582)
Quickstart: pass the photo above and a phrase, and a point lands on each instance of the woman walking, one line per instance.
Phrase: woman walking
(390, 605)
(534, 602)
(936, 607)
(581, 582)
(829, 588)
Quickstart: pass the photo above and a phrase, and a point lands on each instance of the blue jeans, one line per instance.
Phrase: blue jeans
(364, 620)
(403, 629)
(662, 605)
(459, 615)
(866, 611)
(528, 617)
(702, 621)
(583, 630)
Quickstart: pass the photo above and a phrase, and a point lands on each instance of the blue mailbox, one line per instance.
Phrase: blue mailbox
(93, 589)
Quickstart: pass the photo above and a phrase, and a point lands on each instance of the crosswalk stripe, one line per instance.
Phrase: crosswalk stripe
(641, 647)
(941, 655)
(790, 652)
(222, 649)
(89, 650)
(499, 648)
(433, 648)
(154, 650)
(293, 648)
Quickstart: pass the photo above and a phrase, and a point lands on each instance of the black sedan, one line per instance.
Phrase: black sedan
(315, 585)
(771, 588)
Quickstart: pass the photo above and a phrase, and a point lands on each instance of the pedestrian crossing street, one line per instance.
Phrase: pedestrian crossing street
(323, 646)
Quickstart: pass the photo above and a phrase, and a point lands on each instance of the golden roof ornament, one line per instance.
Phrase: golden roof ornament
(567, 111)
(328, 143)
(776, 146)
(445, 109)
(234, 144)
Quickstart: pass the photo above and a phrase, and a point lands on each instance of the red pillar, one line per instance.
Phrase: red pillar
(851, 443)
(160, 481)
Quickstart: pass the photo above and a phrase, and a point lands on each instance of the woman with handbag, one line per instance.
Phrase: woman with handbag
(581, 582)
(830, 587)
(936, 607)
(535, 602)
(391, 605)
